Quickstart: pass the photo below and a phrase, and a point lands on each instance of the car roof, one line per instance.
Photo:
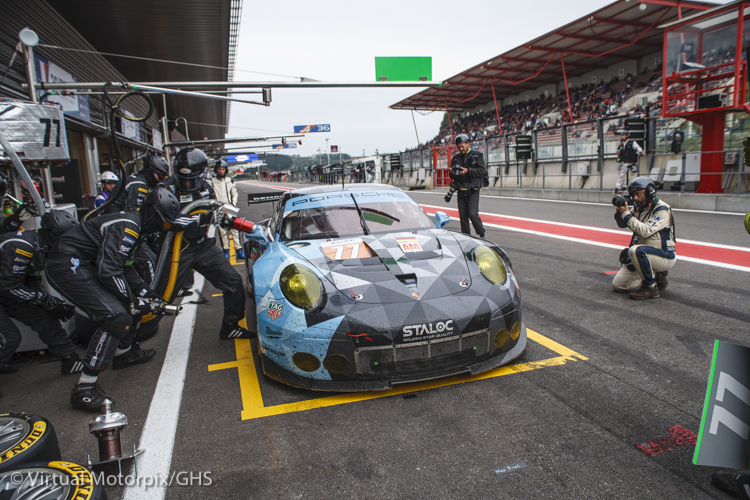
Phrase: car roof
(331, 188)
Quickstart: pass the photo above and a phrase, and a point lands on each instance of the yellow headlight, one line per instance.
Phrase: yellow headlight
(490, 264)
(300, 286)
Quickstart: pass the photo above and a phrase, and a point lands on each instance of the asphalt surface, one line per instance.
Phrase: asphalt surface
(560, 430)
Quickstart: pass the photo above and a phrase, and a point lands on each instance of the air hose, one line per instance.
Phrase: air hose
(115, 110)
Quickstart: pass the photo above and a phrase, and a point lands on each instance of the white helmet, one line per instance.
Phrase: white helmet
(108, 176)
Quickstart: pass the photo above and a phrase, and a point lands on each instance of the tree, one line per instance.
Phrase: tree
(444, 124)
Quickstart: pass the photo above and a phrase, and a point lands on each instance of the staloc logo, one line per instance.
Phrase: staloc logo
(428, 328)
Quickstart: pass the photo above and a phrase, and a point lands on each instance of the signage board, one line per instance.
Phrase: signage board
(241, 158)
(49, 72)
(306, 129)
(334, 149)
(35, 131)
(288, 145)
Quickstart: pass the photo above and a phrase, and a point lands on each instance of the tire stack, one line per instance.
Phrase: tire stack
(31, 465)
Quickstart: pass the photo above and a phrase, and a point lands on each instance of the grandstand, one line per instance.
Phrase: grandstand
(572, 89)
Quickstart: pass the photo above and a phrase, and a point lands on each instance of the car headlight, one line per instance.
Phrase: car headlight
(300, 286)
(490, 264)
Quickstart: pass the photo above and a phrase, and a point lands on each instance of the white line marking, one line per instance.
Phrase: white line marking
(160, 428)
(609, 245)
(592, 228)
(583, 203)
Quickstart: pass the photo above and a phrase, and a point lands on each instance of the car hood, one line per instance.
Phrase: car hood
(391, 268)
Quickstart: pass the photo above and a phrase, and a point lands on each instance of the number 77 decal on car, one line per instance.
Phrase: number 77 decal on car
(346, 249)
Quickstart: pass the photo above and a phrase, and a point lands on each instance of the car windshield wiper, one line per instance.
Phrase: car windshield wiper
(361, 217)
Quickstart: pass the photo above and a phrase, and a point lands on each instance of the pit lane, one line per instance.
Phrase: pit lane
(574, 425)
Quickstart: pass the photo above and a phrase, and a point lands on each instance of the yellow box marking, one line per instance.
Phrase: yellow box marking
(252, 399)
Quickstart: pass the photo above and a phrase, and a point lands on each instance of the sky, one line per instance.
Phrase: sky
(337, 41)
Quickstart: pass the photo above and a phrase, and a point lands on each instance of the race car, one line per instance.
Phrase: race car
(355, 288)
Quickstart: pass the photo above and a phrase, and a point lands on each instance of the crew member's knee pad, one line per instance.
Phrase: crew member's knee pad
(119, 325)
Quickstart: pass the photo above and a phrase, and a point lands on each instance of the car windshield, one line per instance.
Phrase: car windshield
(344, 221)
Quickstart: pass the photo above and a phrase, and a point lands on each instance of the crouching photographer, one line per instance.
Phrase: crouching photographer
(652, 248)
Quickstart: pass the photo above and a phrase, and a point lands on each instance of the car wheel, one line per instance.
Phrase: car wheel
(50, 481)
(26, 438)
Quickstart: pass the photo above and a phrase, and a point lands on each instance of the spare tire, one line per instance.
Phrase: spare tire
(26, 438)
(51, 481)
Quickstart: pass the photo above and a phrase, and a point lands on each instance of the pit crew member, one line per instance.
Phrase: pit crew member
(108, 180)
(226, 192)
(23, 297)
(88, 266)
(197, 251)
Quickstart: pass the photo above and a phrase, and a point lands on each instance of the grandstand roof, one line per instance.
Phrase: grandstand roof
(618, 32)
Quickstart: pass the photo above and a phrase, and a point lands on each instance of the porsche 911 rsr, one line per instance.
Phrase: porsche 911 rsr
(357, 289)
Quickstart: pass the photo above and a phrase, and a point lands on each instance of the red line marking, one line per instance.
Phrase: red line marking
(678, 437)
(612, 272)
(704, 252)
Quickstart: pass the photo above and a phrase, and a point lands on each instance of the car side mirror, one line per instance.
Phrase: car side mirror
(441, 219)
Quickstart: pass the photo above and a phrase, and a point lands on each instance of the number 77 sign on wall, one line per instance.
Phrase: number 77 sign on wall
(725, 426)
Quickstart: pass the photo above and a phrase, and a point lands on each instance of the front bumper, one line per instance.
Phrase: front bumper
(448, 361)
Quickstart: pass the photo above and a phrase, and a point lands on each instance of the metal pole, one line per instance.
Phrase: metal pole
(236, 85)
(236, 139)
(415, 126)
(28, 54)
(450, 122)
(328, 152)
(165, 130)
(567, 91)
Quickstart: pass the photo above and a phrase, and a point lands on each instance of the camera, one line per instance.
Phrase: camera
(452, 190)
(621, 201)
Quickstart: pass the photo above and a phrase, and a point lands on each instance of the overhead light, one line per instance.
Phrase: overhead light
(642, 6)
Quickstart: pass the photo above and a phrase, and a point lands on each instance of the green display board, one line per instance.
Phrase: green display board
(403, 69)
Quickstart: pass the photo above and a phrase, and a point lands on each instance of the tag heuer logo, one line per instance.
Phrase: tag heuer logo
(274, 310)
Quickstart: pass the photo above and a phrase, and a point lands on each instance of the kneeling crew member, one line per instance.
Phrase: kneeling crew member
(88, 266)
(197, 251)
(23, 297)
(468, 171)
(652, 249)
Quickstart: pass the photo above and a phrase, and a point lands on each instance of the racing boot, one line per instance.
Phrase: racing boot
(646, 292)
(72, 364)
(239, 254)
(226, 254)
(235, 331)
(88, 397)
(737, 485)
(661, 280)
(134, 356)
(9, 368)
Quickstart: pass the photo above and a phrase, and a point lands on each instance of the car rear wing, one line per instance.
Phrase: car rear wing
(269, 196)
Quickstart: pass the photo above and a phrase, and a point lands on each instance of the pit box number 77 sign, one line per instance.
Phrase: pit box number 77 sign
(724, 437)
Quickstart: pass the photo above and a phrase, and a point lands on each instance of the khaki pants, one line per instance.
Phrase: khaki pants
(225, 238)
(626, 279)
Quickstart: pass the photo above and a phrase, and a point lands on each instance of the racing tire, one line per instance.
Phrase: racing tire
(24, 439)
(54, 480)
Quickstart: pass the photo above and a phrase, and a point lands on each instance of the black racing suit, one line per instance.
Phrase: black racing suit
(88, 265)
(136, 189)
(468, 186)
(199, 252)
(20, 291)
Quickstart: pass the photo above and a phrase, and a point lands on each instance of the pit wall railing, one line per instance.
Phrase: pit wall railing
(583, 155)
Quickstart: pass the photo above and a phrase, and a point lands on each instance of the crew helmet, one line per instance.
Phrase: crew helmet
(461, 138)
(645, 183)
(221, 163)
(108, 176)
(190, 166)
(56, 223)
(153, 164)
(159, 208)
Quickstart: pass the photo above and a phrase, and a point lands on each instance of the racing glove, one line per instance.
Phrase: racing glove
(139, 307)
(55, 307)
